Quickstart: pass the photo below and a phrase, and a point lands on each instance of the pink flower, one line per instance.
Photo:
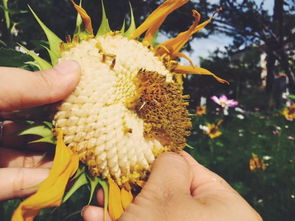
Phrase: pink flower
(224, 102)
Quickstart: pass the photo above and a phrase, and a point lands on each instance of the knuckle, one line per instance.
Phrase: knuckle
(18, 182)
(47, 84)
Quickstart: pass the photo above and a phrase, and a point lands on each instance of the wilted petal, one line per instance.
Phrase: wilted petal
(126, 197)
(197, 70)
(158, 16)
(115, 204)
(51, 190)
(85, 17)
(174, 45)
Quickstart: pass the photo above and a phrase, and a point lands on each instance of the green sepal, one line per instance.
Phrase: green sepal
(39, 130)
(105, 187)
(53, 40)
(48, 124)
(81, 169)
(43, 64)
(104, 26)
(53, 57)
(155, 39)
(132, 25)
(34, 64)
(94, 181)
(81, 181)
(44, 130)
(123, 28)
(49, 139)
(78, 22)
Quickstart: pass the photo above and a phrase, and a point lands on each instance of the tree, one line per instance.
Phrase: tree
(248, 23)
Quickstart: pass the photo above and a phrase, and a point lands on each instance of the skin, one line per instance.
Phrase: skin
(21, 172)
(179, 188)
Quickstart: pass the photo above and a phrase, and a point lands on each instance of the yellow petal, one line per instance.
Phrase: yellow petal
(85, 17)
(51, 190)
(154, 20)
(197, 70)
(179, 54)
(174, 45)
(115, 206)
(126, 197)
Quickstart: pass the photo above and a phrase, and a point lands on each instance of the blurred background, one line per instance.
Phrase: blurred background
(244, 131)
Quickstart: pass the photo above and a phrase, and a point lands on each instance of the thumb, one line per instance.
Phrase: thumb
(170, 175)
(21, 89)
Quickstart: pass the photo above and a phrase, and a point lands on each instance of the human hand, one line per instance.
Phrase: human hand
(179, 188)
(21, 172)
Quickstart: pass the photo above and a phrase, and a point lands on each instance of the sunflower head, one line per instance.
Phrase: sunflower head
(129, 105)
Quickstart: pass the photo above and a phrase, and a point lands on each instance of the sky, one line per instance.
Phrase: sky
(202, 47)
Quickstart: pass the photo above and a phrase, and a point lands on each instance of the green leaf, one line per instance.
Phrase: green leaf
(132, 25)
(82, 180)
(41, 62)
(3, 43)
(104, 26)
(54, 41)
(13, 58)
(13, 12)
(291, 96)
(189, 146)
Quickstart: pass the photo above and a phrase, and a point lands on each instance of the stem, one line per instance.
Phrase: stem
(6, 14)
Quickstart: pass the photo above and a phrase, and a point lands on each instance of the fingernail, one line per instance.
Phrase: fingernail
(82, 211)
(67, 67)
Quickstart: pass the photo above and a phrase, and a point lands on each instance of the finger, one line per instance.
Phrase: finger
(205, 181)
(16, 159)
(93, 213)
(100, 197)
(21, 89)
(20, 182)
(214, 193)
(170, 176)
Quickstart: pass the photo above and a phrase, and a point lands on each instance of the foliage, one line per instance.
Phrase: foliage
(270, 137)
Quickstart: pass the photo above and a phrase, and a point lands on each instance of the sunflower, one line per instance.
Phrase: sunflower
(201, 110)
(212, 130)
(127, 109)
(256, 163)
(289, 112)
